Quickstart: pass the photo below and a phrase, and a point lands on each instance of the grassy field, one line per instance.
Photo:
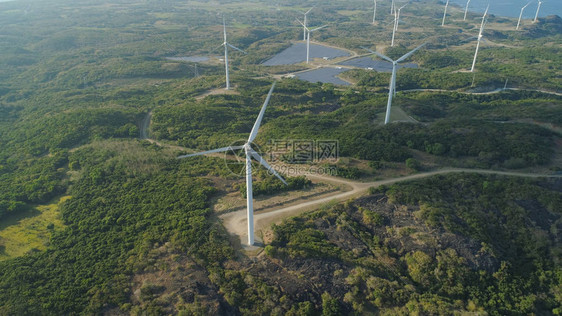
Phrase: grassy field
(30, 230)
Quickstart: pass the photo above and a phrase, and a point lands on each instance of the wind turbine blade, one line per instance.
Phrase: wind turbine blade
(257, 124)
(224, 28)
(379, 54)
(220, 46)
(316, 29)
(410, 53)
(388, 23)
(301, 23)
(238, 49)
(307, 12)
(267, 166)
(211, 151)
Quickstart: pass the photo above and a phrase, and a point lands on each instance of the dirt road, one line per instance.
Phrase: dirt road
(235, 222)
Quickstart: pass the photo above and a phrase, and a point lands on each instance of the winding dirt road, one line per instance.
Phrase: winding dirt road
(483, 93)
(236, 223)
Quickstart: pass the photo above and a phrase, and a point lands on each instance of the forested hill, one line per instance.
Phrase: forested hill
(95, 220)
(445, 245)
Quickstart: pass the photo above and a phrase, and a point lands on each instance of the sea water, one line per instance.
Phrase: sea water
(512, 8)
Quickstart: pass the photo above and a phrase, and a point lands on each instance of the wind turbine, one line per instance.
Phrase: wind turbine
(466, 10)
(226, 45)
(304, 24)
(250, 153)
(521, 14)
(445, 13)
(308, 38)
(479, 38)
(398, 16)
(375, 12)
(537, 14)
(396, 22)
(393, 29)
(392, 88)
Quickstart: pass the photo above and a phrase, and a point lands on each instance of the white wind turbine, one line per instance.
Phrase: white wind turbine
(308, 38)
(398, 16)
(537, 14)
(445, 13)
(479, 38)
(250, 153)
(393, 29)
(304, 24)
(466, 10)
(521, 14)
(396, 22)
(226, 45)
(375, 12)
(392, 87)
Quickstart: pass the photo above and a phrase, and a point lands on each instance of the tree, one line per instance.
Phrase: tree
(330, 306)
(412, 164)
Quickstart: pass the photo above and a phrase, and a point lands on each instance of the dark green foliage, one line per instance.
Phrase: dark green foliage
(297, 238)
(495, 215)
(413, 164)
(346, 172)
(35, 154)
(511, 218)
(30, 181)
(111, 219)
(330, 306)
(75, 74)
(269, 184)
(502, 107)
(371, 217)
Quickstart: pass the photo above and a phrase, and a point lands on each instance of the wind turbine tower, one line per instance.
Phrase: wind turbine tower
(305, 24)
(479, 38)
(398, 16)
(375, 12)
(537, 14)
(393, 28)
(466, 10)
(396, 22)
(392, 87)
(521, 14)
(445, 13)
(250, 153)
(226, 45)
(308, 31)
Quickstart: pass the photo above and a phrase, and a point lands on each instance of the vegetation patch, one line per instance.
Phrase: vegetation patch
(30, 231)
